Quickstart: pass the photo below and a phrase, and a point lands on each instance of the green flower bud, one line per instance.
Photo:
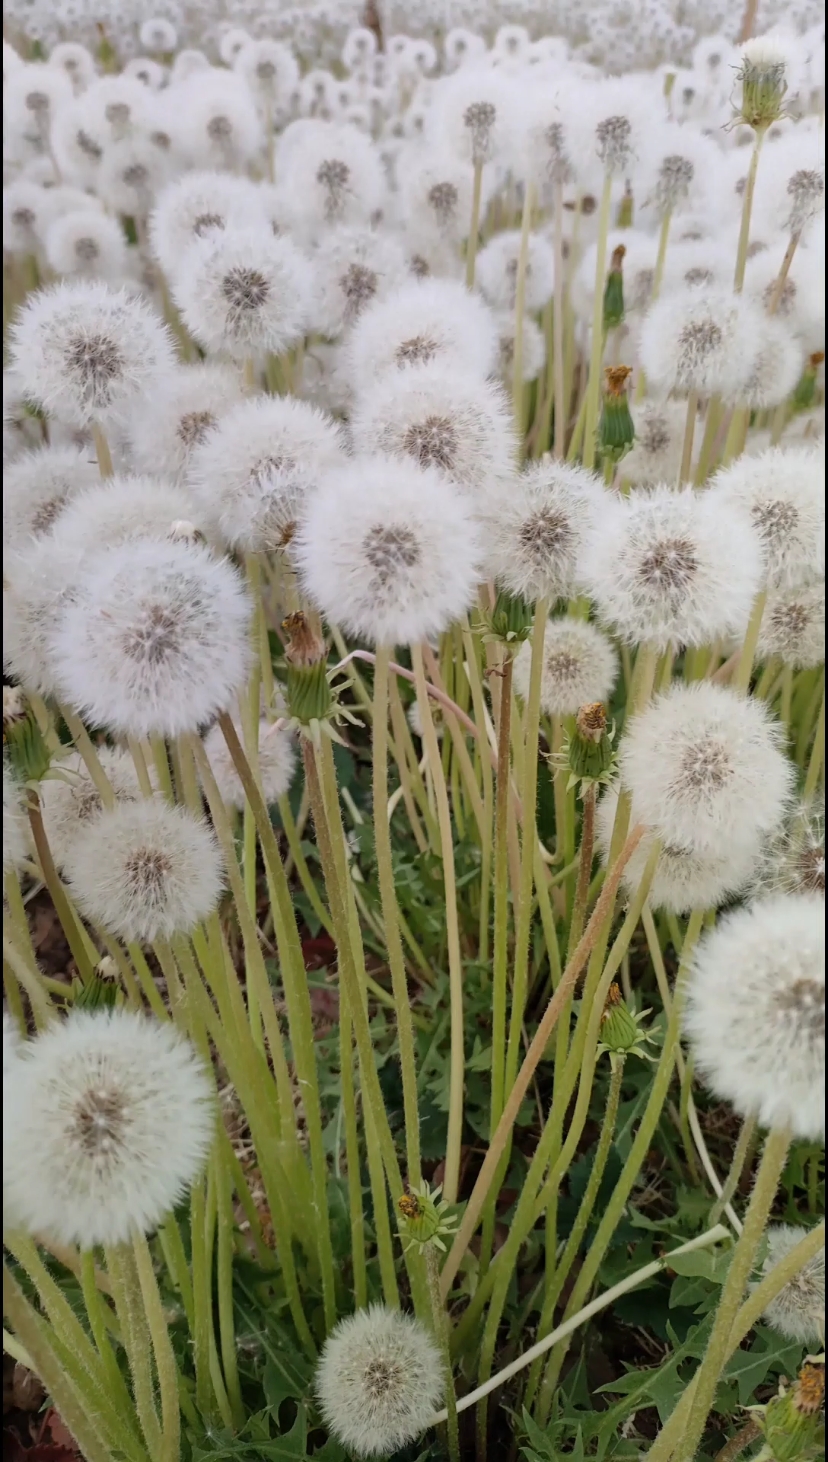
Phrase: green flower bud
(309, 696)
(619, 1029)
(510, 620)
(762, 76)
(424, 1218)
(616, 432)
(614, 290)
(792, 1422)
(23, 742)
(101, 992)
(590, 747)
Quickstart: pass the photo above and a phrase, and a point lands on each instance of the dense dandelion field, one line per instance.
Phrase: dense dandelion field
(413, 731)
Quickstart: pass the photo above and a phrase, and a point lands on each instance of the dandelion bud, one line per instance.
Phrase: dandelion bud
(798, 1311)
(309, 695)
(101, 992)
(423, 1218)
(803, 396)
(616, 432)
(511, 618)
(23, 743)
(762, 77)
(590, 750)
(621, 1032)
(614, 290)
(792, 1423)
(379, 1381)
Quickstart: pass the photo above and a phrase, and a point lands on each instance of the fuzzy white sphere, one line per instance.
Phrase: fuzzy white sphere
(39, 581)
(168, 423)
(421, 321)
(158, 644)
(440, 418)
(244, 293)
(69, 798)
(580, 666)
(656, 451)
(354, 267)
(331, 175)
(87, 243)
(705, 768)
(389, 550)
(535, 526)
(12, 1043)
(122, 509)
(195, 205)
(250, 478)
(783, 490)
(672, 568)
(794, 860)
(798, 1312)
(684, 878)
(121, 1112)
(700, 340)
(793, 626)
(755, 1015)
(144, 870)
(85, 352)
(497, 271)
(37, 488)
(379, 1381)
(276, 752)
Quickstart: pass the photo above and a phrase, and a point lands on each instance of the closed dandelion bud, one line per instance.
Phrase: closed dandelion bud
(792, 1424)
(614, 290)
(616, 432)
(590, 747)
(510, 620)
(803, 397)
(101, 992)
(762, 76)
(424, 1218)
(309, 695)
(25, 747)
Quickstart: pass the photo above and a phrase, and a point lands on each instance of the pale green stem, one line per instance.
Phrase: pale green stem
(737, 1165)
(661, 256)
(747, 209)
(474, 225)
(102, 451)
(57, 893)
(29, 981)
(712, 423)
(558, 378)
(168, 1378)
(390, 914)
(740, 680)
(457, 1055)
(715, 1356)
(593, 390)
(135, 1334)
(520, 305)
(224, 1286)
(441, 1331)
(817, 754)
(201, 1266)
(100, 1321)
(85, 745)
(685, 465)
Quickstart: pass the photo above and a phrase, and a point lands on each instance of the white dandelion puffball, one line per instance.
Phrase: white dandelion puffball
(69, 798)
(672, 568)
(38, 486)
(472, 115)
(655, 455)
(15, 830)
(353, 268)
(798, 1312)
(379, 1381)
(783, 490)
(700, 340)
(684, 879)
(421, 321)
(533, 355)
(85, 352)
(443, 419)
(755, 1016)
(496, 271)
(705, 768)
(436, 192)
(794, 861)
(122, 509)
(87, 243)
(169, 422)
(243, 293)
(776, 368)
(793, 626)
(331, 174)
(251, 477)
(220, 126)
(535, 526)
(276, 763)
(121, 1111)
(195, 205)
(389, 551)
(580, 666)
(158, 644)
(144, 870)
(38, 582)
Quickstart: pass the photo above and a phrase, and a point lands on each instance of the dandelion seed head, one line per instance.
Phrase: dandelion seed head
(798, 1311)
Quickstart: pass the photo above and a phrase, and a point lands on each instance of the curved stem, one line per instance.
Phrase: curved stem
(57, 893)
(593, 390)
(390, 914)
(165, 1365)
(737, 1165)
(457, 1056)
(747, 209)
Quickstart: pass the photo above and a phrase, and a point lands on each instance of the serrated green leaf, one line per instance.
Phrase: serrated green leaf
(769, 1355)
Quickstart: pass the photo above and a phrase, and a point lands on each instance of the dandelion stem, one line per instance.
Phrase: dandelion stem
(740, 1154)
(474, 225)
(740, 680)
(747, 209)
(165, 1365)
(784, 270)
(715, 1357)
(520, 306)
(684, 471)
(57, 893)
(440, 1322)
(816, 759)
(593, 390)
(222, 1179)
(136, 1337)
(102, 451)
